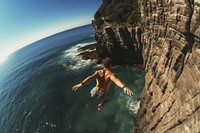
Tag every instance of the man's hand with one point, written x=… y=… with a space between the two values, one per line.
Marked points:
x=76 y=87
x=128 y=91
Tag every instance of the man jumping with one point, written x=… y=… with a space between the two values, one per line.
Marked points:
x=104 y=78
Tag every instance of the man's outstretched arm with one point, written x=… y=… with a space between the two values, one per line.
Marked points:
x=85 y=81
x=118 y=82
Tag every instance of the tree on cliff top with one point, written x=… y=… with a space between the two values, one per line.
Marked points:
x=118 y=12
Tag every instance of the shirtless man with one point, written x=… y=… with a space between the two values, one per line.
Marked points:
x=104 y=78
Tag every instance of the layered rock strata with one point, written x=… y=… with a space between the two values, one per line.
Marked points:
x=171 y=51
x=168 y=38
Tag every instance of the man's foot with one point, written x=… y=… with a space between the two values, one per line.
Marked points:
x=100 y=106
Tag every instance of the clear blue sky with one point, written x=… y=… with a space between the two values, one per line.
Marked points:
x=25 y=21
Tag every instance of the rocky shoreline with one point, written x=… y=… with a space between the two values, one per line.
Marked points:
x=89 y=52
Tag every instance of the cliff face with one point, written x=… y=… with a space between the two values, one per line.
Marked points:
x=121 y=43
x=168 y=37
x=171 y=52
x=115 y=37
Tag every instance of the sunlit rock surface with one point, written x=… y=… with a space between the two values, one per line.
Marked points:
x=167 y=41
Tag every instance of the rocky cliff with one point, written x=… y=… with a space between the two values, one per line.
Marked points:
x=115 y=37
x=168 y=37
x=171 y=52
x=120 y=43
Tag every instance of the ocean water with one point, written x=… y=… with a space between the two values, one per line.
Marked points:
x=36 y=95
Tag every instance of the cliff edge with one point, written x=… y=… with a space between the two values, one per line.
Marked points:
x=164 y=36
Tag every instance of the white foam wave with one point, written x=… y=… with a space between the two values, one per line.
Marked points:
x=78 y=64
x=133 y=105
x=84 y=44
x=73 y=51
x=98 y=66
x=75 y=62
x=92 y=35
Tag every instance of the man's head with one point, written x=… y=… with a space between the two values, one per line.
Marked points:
x=107 y=62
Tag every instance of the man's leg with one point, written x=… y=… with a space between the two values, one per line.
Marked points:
x=105 y=100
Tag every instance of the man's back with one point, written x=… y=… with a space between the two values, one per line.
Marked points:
x=103 y=80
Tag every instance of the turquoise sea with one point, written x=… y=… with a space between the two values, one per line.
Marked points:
x=36 y=95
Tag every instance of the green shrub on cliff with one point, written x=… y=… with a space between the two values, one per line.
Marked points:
x=118 y=12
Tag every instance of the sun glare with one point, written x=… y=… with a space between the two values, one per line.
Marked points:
x=5 y=55
x=3 y=59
